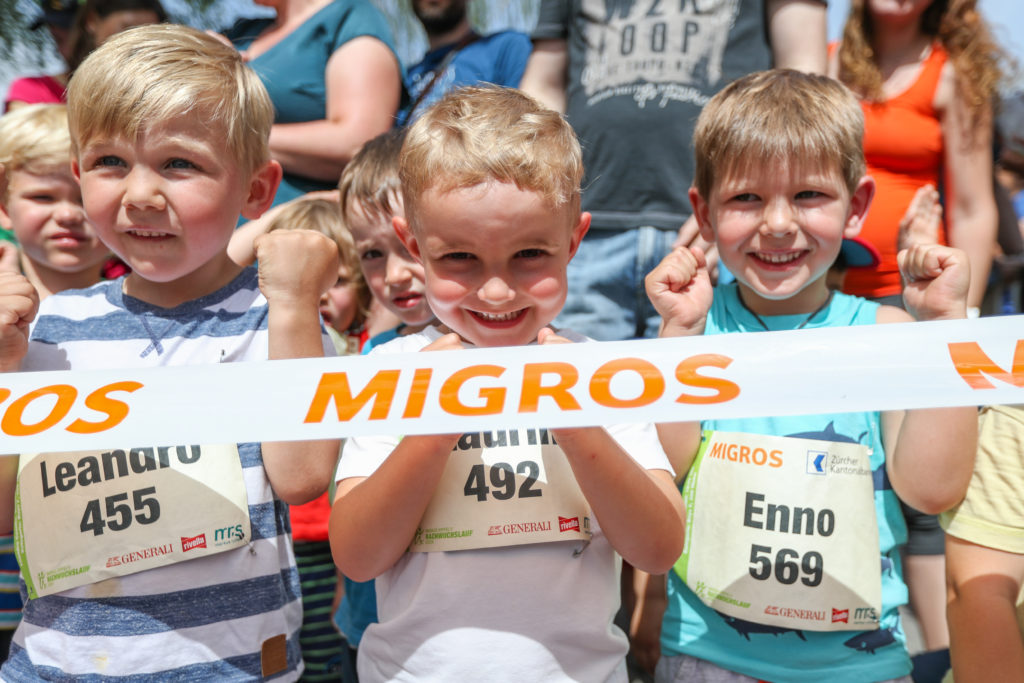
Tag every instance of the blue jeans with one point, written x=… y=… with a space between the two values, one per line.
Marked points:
x=606 y=299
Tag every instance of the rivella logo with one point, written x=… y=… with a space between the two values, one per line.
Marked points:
x=192 y=543
x=568 y=523
x=840 y=615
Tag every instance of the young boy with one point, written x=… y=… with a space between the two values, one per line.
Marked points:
x=40 y=201
x=169 y=136
x=491 y=186
x=370 y=199
x=780 y=182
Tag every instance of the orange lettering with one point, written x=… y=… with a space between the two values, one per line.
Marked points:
x=533 y=389
x=12 y=422
x=418 y=392
x=970 y=361
x=686 y=373
x=98 y=400
x=600 y=383
x=776 y=459
x=494 y=397
x=334 y=387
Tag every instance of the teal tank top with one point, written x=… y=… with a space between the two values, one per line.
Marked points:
x=776 y=654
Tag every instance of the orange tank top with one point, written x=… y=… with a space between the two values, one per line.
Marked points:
x=904 y=151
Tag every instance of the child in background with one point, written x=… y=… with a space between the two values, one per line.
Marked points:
x=985 y=555
x=491 y=183
x=346 y=305
x=371 y=198
x=169 y=134
x=41 y=207
x=41 y=203
x=780 y=182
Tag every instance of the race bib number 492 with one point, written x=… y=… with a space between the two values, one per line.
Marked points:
x=88 y=516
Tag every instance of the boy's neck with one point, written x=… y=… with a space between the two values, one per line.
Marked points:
x=805 y=302
x=195 y=285
x=48 y=281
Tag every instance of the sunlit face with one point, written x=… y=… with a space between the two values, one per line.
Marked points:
x=167 y=203
x=779 y=230
x=115 y=22
x=45 y=212
x=340 y=304
x=392 y=274
x=495 y=258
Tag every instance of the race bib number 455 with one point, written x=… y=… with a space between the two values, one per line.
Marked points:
x=88 y=516
x=782 y=531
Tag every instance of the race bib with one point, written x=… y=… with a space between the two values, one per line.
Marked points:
x=782 y=531
x=504 y=488
x=88 y=516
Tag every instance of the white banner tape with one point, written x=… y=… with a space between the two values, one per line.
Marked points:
x=879 y=367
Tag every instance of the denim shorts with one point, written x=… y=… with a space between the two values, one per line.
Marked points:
x=606 y=299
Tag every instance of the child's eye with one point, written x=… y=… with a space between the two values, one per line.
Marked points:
x=42 y=197
x=745 y=197
x=180 y=164
x=808 y=194
x=109 y=160
x=371 y=254
x=458 y=256
x=530 y=253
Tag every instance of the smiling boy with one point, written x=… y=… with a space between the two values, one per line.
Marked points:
x=780 y=183
x=491 y=186
x=169 y=134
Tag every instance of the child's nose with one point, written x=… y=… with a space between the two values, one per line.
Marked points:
x=141 y=191
x=396 y=270
x=496 y=291
x=69 y=213
x=778 y=219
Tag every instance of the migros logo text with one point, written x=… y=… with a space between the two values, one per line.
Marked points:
x=558 y=381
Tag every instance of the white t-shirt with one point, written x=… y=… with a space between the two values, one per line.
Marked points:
x=518 y=613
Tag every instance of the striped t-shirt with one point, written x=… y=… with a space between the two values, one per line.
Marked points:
x=203 y=619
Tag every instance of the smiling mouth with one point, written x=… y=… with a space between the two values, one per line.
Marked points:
x=498 y=318
x=778 y=259
x=146 y=234
x=407 y=300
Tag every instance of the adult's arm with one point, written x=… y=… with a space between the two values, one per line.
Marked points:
x=546 y=73
x=363 y=82
x=797 y=31
x=972 y=219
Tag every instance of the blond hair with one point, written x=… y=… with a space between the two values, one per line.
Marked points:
x=34 y=138
x=481 y=134
x=957 y=26
x=776 y=115
x=371 y=177
x=154 y=74
x=322 y=216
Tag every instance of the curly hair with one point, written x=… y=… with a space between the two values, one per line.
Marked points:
x=954 y=24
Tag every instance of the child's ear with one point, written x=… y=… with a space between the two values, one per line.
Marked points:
x=76 y=170
x=262 y=188
x=582 y=225
x=404 y=232
x=860 y=202
x=5 y=219
x=702 y=212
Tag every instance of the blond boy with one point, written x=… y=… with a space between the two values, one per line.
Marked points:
x=169 y=132
x=491 y=186
x=41 y=204
x=780 y=183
